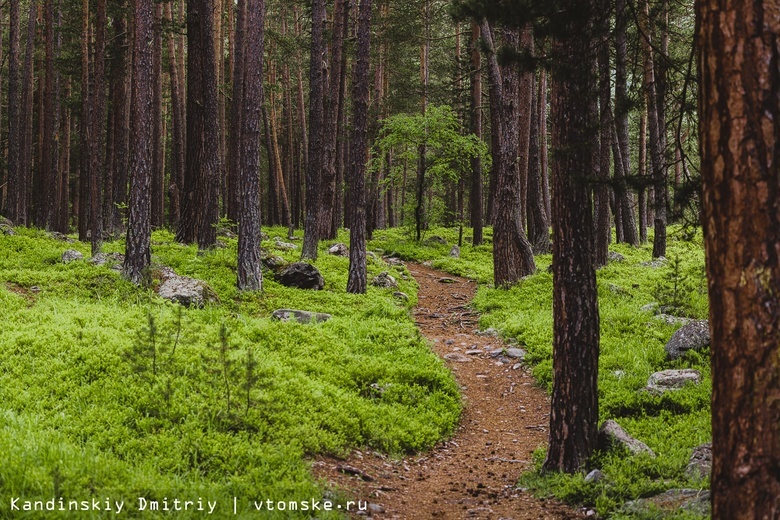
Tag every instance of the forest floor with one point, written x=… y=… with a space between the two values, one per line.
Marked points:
x=505 y=418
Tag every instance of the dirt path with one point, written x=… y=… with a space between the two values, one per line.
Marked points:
x=505 y=418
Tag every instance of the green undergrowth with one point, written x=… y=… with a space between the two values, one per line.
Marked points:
x=106 y=390
x=632 y=348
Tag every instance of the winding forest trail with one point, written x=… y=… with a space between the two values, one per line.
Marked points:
x=505 y=417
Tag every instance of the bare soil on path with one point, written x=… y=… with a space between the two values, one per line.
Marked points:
x=505 y=417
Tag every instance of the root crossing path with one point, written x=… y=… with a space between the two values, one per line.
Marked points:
x=505 y=417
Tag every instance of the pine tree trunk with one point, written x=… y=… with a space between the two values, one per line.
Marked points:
x=97 y=131
x=643 y=173
x=26 y=150
x=477 y=207
x=158 y=159
x=574 y=411
x=234 y=141
x=538 y=224
x=48 y=145
x=85 y=126
x=317 y=78
x=740 y=146
x=138 y=247
x=543 y=152
x=357 y=281
x=512 y=254
x=178 y=127
x=15 y=118
x=250 y=277
x=603 y=227
x=64 y=163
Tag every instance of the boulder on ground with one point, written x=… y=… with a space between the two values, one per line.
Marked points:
x=384 y=280
x=61 y=237
x=435 y=239
x=115 y=259
x=615 y=257
x=300 y=316
x=338 y=250
x=650 y=307
x=285 y=246
x=692 y=336
x=6 y=226
x=187 y=291
x=455 y=252
x=71 y=255
x=302 y=275
x=666 y=380
x=391 y=260
x=694 y=501
x=700 y=464
x=273 y=262
x=655 y=263
x=595 y=476
x=401 y=296
x=612 y=434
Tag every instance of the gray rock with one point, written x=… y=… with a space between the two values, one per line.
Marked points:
x=61 y=237
x=273 y=262
x=700 y=464
x=401 y=296
x=264 y=236
x=515 y=353
x=187 y=291
x=612 y=434
x=338 y=250
x=394 y=261
x=650 y=307
x=6 y=222
x=7 y=227
x=455 y=252
x=595 y=476
x=655 y=263
x=457 y=357
x=667 y=380
x=616 y=289
x=615 y=257
x=302 y=275
x=300 y=316
x=115 y=259
x=435 y=239
x=376 y=509
x=71 y=255
x=473 y=352
x=672 y=320
x=692 y=336
x=384 y=280
x=491 y=332
x=285 y=246
x=672 y=501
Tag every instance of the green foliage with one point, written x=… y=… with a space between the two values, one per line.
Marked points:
x=106 y=389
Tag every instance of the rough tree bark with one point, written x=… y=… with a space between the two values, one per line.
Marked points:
x=477 y=207
x=250 y=277
x=740 y=149
x=15 y=121
x=538 y=223
x=357 y=155
x=574 y=411
x=139 y=229
x=603 y=226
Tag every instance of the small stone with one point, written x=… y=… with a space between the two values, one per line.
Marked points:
x=666 y=380
x=449 y=342
x=394 y=261
x=457 y=357
x=473 y=352
x=61 y=237
x=611 y=434
x=435 y=239
x=672 y=320
x=71 y=255
x=692 y=336
x=491 y=332
x=376 y=508
x=615 y=257
x=616 y=289
x=401 y=296
x=656 y=263
x=700 y=464
x=650 y=307
x=428 y=263
x=515 y=353
x=455 y=252
x=496 y=352
x=116 y=259
x=384 y=280
x=187 y=291
x=595 y=476
x=338 y=250
x=285 y=246
x=302 y=275
x=517 y=366
x=300 y=316
x=7 y=229
x=35 y=289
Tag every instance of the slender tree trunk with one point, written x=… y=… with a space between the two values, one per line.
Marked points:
x=317 y=77
x=740 y=146
x=656 y=143
x=48 y=146
x=97 y=132
x=574 y=412
x=158 y=159
x=138 y=247
x=15 y=119
x=234 y=142
x=538 y=224
x=178 y=128
x=26 y=149
x=512 y=254
x=64 y=163
x=85 y=126
x=543 y=152
x=358 y=149
x=526 y=87
x=603 y=227
x=250 y=277
x=643 y=173
x=477 y=208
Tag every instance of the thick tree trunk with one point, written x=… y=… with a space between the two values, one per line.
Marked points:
x=477 y=208
x=740 y=147
x=316 y=156
x=97 y=131
x=574 y=411
x=250 y=277
x=138 y=247
x=512 y=254
x=47 y=196
x=234 y=141
x=357 y=157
